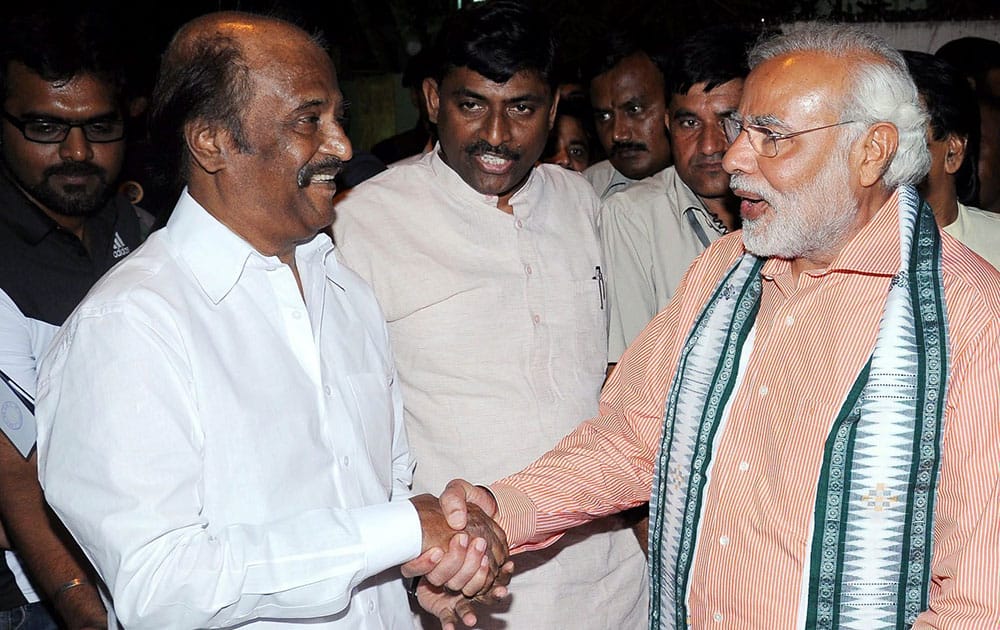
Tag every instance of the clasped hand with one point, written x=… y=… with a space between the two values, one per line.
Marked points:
x=464 y=555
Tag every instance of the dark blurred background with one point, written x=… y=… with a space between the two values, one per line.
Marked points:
x=372 y=40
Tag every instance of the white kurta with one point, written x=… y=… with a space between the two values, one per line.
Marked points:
x=224 y=452
x=498 y=323
x=978 y=230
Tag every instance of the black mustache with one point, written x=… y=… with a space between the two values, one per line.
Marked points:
x=481 y=147
x=74 y=169
x=329 y=166
x=618 y=147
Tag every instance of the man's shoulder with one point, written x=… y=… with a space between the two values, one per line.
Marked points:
x=657 y=192
x=398 y=181
x=599 y=173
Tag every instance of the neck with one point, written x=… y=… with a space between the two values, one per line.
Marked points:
x=945 y=207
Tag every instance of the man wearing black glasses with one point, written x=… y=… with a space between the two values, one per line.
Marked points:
x=61 y=227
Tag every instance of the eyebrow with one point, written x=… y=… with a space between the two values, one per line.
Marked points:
x=520 y=98
x=39 y=116
x=766 y=120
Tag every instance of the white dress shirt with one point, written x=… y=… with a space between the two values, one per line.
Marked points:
x=224 y=451
x=606 y=179
x=498 y=322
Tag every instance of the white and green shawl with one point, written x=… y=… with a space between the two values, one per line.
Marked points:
x=867 y=568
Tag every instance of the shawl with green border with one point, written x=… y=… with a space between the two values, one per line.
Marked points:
x=869 y=561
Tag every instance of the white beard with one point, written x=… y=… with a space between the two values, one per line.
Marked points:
x=802 y=223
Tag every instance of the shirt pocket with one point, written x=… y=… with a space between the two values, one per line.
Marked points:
x=373 y=401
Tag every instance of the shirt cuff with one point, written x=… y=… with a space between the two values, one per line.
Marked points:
x=515 y=514
x=390 y=533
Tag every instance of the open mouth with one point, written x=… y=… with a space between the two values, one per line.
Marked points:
x=492 y=163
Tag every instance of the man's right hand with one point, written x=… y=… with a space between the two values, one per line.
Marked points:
x=475 y=553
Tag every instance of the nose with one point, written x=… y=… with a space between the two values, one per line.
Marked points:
x=713 y=140
x=338 y=144
x=496 y=129
x=562 y=158
x=75 y=147
x=740 y=157
x=621 y=131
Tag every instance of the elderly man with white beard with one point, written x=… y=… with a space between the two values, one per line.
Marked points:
x=814 y=416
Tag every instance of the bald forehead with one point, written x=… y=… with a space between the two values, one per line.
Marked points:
x=253 y=33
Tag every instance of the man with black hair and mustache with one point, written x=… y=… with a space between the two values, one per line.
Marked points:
x=626 y=84
x=489 y=271
x=652 y=231
x=61 y=227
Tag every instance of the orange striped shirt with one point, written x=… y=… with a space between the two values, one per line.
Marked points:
x=811 y=341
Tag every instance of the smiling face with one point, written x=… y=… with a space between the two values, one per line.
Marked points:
x=491 y=134
x=802 y=203
x=71 y=178
x=630 y=114
x=279 y=191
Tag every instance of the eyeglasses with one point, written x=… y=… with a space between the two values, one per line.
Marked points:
x=763 y=140
x=46 y=131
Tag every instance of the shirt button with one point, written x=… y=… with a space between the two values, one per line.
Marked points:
x=723 y=540
x=346 y=461
x=518 y=224
x=744 y=466
x=789 y=320
x=527 y=269
x=717 y=617
x=296 y=314
x=537 y=318
x=763 y=390
x=328 y=390
x=371 y=606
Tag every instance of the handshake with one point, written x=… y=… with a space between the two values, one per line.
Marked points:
x=464 y=555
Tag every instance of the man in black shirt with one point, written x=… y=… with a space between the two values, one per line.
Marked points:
x=61 y=227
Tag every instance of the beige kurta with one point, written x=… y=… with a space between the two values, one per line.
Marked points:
x=498 y=326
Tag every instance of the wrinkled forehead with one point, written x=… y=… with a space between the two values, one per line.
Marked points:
x=795 y=88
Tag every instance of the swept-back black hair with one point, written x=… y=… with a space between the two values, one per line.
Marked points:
x=953 y=108
x=714 y=55
x=60 y=45
x=497 y=39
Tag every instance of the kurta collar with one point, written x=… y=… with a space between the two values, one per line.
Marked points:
x=452 y=183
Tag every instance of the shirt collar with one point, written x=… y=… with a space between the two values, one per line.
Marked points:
x=217 y=256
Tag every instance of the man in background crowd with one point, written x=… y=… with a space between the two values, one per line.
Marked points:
x=627 y=96
x=953 y=137
x=62 y=225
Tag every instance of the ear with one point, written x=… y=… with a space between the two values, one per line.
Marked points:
x=208 y=144
x=955 y=154
x=875 y=152
x=433 y=99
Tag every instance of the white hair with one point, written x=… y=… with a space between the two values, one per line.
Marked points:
x=882 y=89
